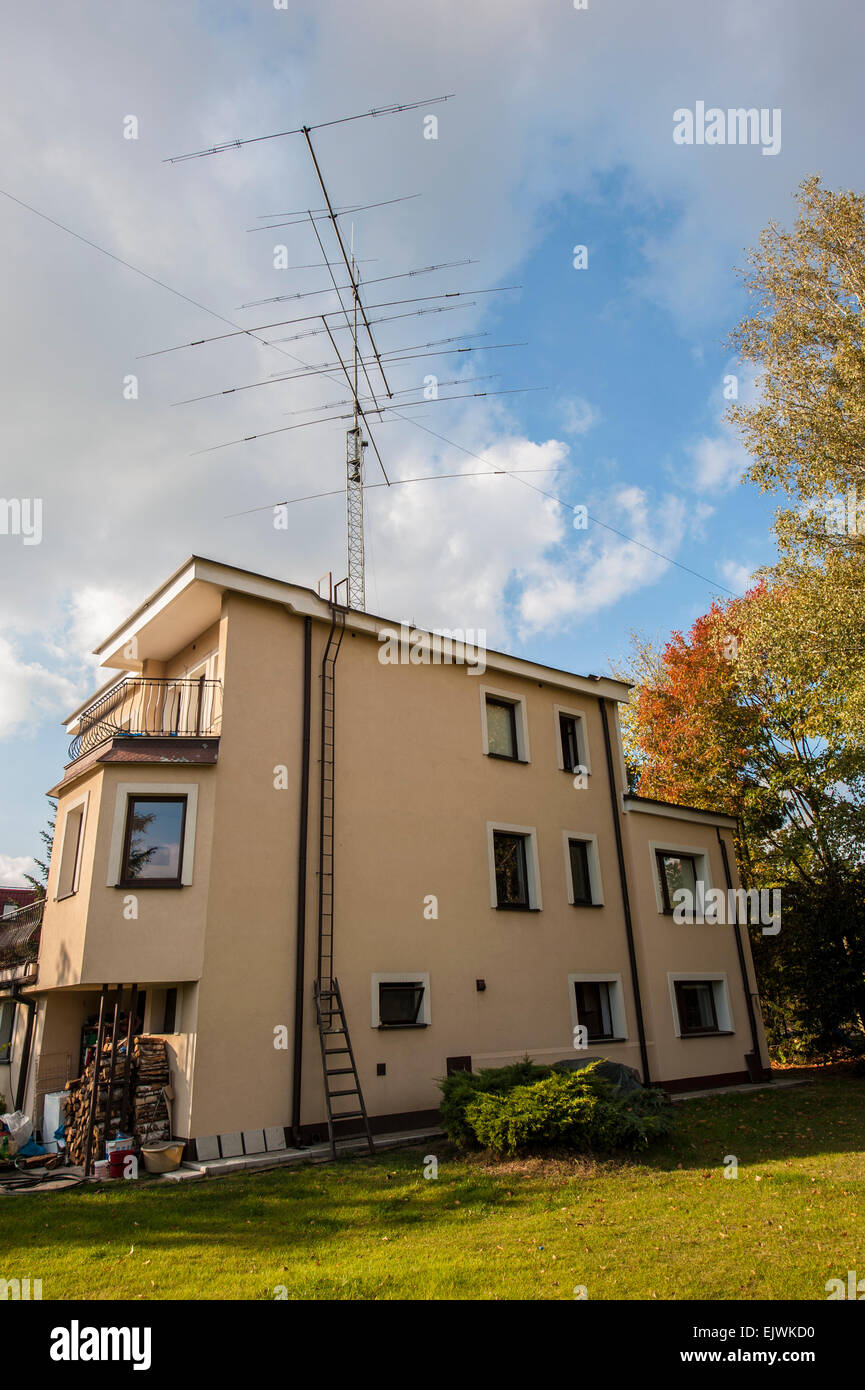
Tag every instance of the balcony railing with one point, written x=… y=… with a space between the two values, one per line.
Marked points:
x=20 y=933
x=151 y=707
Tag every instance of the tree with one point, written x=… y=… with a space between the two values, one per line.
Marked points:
x=721 y=726
x=47 y=837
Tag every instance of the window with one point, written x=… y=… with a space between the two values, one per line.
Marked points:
x=677 y=871
x=501 y=729
x=9 y=909
x=504 y=730
x=594 y=1008
x=7 y=1025
x=570 y=742
x=153 y=842
x=400 y=1000
x=399 y=1003
x=70 y=853
x=695 y=1003
x=169 y=1021
x=512 y=876
x=581 y=879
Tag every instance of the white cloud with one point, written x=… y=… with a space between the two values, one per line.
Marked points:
x=29 y=692
x=738 y=577
x=578 y=416
x=13 y=867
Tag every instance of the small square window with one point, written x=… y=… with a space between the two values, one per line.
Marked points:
x=570 y=739
x=502 y=729
x=153 y=841
x=695 y=1000
x=677 y=871
x=594 y=1008
x=399 y=1003
x=581 y=878
x=512 y=878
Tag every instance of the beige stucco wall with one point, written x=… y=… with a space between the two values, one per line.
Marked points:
x=414 y=794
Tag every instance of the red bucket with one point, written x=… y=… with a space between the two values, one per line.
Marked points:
x=116 y=1160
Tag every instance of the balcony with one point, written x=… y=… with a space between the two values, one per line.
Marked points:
x=19 y=935
x=150 y=707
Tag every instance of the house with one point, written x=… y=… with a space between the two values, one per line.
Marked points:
x=272 y=792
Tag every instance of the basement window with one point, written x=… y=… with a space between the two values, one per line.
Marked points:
x=400 y=1000
x=399 y=1005
x=695 y=1004
x=594 y=1008
x=153 y=842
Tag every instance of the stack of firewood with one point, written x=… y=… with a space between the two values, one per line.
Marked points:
x=148 y=1112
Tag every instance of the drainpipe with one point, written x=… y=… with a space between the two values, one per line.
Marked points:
x=30 y=1005
x=303 y=840
x=626 y=900
x=746 y=985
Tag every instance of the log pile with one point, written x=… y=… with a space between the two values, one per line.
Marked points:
x=148 y=1114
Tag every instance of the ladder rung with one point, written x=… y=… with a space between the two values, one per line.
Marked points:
x=333 y=1094
x=349 y=1115
x=332 y=1051
x=341 y=1071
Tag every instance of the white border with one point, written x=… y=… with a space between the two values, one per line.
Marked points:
x=532 y=866
x=520 y=720
x=595 y=884
x=397 y=977
x=723 y=1007
x=617 y=1004
x=127 y=789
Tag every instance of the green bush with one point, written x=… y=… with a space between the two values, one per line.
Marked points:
x=514 y=1109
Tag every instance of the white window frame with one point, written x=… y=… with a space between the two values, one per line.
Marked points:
x=595 y=881
x=399 y=977
x=118 y=829
x=521 y=721
x=81 y=802
x=702 y=865
x=582 y=735
x=618 y=1014
x=723 y=1008
x=533 y=871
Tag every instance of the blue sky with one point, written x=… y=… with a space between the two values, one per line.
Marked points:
x=559 y=133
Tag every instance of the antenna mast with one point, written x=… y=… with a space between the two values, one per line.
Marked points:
x=354 y=447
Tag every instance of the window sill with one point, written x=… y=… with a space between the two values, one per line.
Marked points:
x=598 y=1042
x=710 y=1033
x=515 y=907
x=134 y=884
x=506 y=758
x=587 y=904
x=398 y=1027
x=61 y=897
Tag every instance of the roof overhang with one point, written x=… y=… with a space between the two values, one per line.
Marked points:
x=190 y=601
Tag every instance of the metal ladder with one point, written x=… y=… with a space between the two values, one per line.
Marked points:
x=332 y=1023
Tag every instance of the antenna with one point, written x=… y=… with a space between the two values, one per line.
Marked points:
x=368 y=360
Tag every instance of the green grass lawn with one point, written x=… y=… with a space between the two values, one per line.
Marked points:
x=669 y=1226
